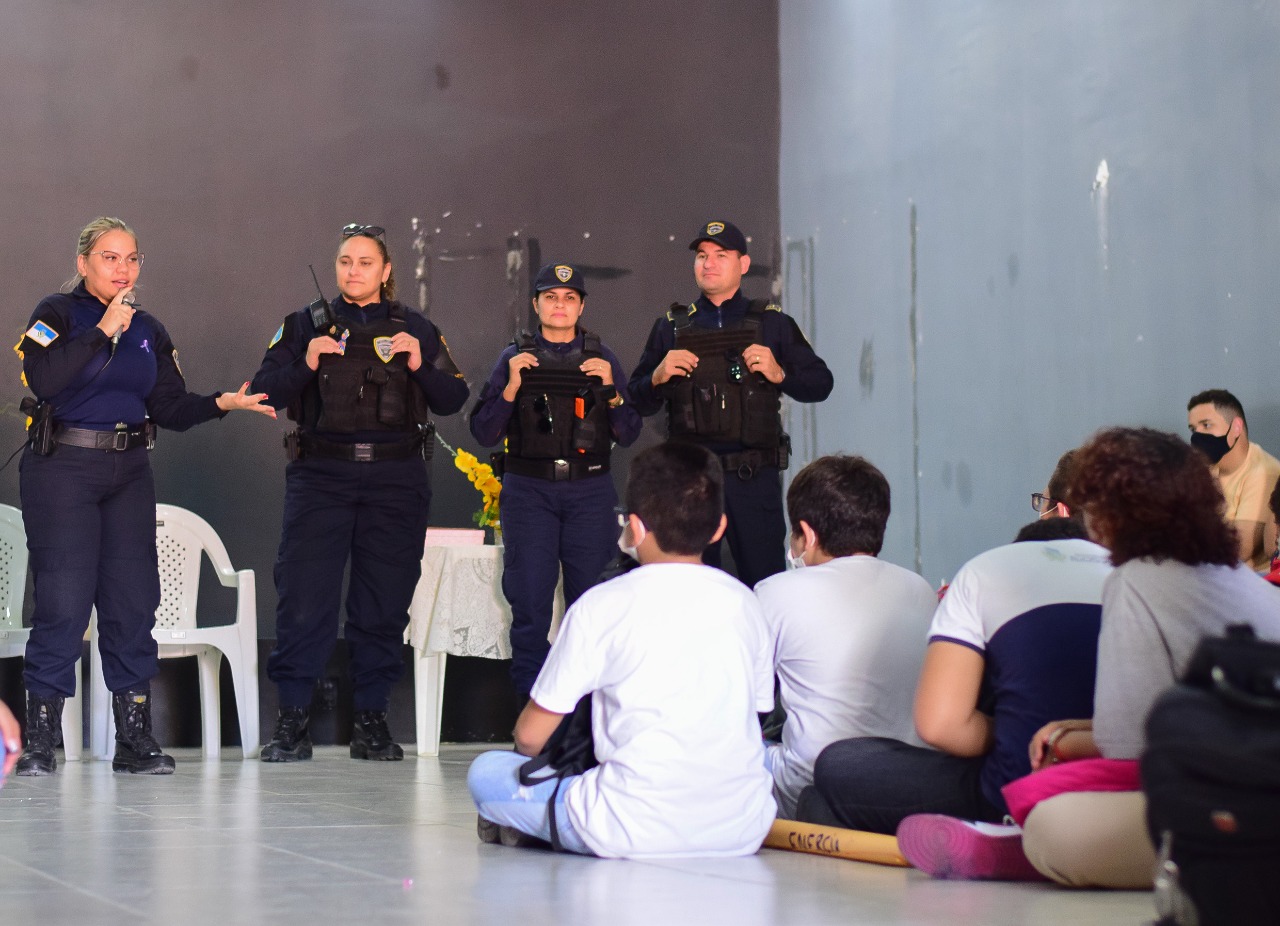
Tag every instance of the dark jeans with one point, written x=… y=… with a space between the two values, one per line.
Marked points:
x=872 y=783
x=757 y=531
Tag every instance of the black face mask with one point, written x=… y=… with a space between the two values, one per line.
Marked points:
x=1213 y=446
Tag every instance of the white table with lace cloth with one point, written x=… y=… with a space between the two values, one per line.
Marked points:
x=458 y=609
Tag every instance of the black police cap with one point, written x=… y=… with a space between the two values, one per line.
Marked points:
x=725 y=234
x=553 y=276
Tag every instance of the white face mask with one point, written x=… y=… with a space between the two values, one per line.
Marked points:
x=795 y=560
x=631 y=551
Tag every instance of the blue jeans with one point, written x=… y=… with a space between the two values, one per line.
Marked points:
x=494 y=782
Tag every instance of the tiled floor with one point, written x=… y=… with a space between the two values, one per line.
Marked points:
x=339 y=841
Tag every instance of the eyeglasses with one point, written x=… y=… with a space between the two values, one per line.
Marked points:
x=112 y=259
x=735 y=370
x=547 y=421
x=371 y=231
x=1041 y=503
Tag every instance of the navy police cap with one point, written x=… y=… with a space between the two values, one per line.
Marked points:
x=553 y=276
x=725 y=234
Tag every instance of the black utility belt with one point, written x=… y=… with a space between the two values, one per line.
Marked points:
x=117 y=440
x=554 y=470
x=746 y=462
x=311 y=446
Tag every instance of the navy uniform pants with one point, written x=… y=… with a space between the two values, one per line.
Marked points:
x=374 y=514
x=90 y=517
x=548 y=526
x=757 y=531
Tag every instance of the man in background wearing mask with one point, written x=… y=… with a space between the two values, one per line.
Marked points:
x=1246 y=473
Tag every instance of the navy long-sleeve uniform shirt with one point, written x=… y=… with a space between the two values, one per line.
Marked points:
x=69 y=362
x=492 y=414
x=284 y=373
x=807 y=377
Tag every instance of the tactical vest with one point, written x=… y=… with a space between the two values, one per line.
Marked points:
x=560 y=413
x=721 y=401
x=366 y=388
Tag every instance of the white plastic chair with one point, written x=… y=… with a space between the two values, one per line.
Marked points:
x=13 y=636
x=181 y=535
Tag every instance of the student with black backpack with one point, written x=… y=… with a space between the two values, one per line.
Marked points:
x=676 y=657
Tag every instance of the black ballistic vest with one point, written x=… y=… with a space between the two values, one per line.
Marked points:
x=721 y=401
x=365 y=389
x=560 y=413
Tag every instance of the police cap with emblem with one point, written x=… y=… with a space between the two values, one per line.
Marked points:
x=553 y=276
x=725 y=234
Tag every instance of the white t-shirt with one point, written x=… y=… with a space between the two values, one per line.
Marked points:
x=848 y=640
x=677 y=659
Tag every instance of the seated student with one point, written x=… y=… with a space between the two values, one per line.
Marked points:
x=848 y=630
x=1273 y=536
x=1012 y=643
x=676 y=657
x=10 y=741
x=1153 y=503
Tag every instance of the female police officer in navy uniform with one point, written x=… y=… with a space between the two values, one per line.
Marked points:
x=559 y=397
x=359 y=375
x=104 y=371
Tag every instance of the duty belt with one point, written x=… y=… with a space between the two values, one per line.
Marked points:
x=117 y=440
x=555 y=470
x=361 y=453
x=747 y=462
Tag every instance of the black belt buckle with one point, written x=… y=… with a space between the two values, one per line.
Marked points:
x=120 y=440
x=560 y=469
x=362 y=453
x=746 y=472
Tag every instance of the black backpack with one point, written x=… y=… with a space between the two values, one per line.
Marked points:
x=1211 y=773
x=570 y=750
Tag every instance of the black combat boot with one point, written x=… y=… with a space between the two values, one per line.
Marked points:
x=291 y=742
x=44 y=721
x=371 y=739
x=137 y=752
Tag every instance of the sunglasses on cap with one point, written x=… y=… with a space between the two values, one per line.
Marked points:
x=370 y=231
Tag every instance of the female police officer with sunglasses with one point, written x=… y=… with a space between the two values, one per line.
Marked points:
x=359 y=375
x=559 y=399
x=104 y=372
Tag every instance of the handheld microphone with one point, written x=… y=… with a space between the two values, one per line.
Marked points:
x=129 y=299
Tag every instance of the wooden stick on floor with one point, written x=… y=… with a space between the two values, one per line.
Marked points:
x=835 y=842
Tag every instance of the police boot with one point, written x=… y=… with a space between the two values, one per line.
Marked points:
x=291 y=742
x=371 y=738
x=137 y=752
x=44 y=720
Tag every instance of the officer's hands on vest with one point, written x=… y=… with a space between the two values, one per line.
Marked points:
x=598 y=366
x=760 y=360
x=405 y=343
x=322 y=345
x=676 y=363
x=241 y=401
x=118 y=315
x=518 y=362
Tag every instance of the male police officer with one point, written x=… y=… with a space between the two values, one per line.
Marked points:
x=559 y=397
x=359 y=375
x=721 y=366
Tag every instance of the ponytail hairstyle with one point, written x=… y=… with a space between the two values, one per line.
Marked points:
x=89 y=236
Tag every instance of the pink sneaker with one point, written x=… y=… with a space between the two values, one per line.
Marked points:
x=945 y=847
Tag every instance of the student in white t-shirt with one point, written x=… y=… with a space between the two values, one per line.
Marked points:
x=676 y=657
x=849 y=630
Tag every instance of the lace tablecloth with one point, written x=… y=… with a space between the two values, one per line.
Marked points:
x=458 y=606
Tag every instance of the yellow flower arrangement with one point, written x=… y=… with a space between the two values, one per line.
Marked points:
x=481 y=476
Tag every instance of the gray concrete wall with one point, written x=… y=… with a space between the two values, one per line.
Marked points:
x=985 y=299
x=239 y=137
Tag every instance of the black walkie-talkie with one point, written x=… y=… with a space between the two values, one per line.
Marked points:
x=322 y=319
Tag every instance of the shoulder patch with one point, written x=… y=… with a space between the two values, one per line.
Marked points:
x=42 y=334
x=275 y=338
x=174 y=354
